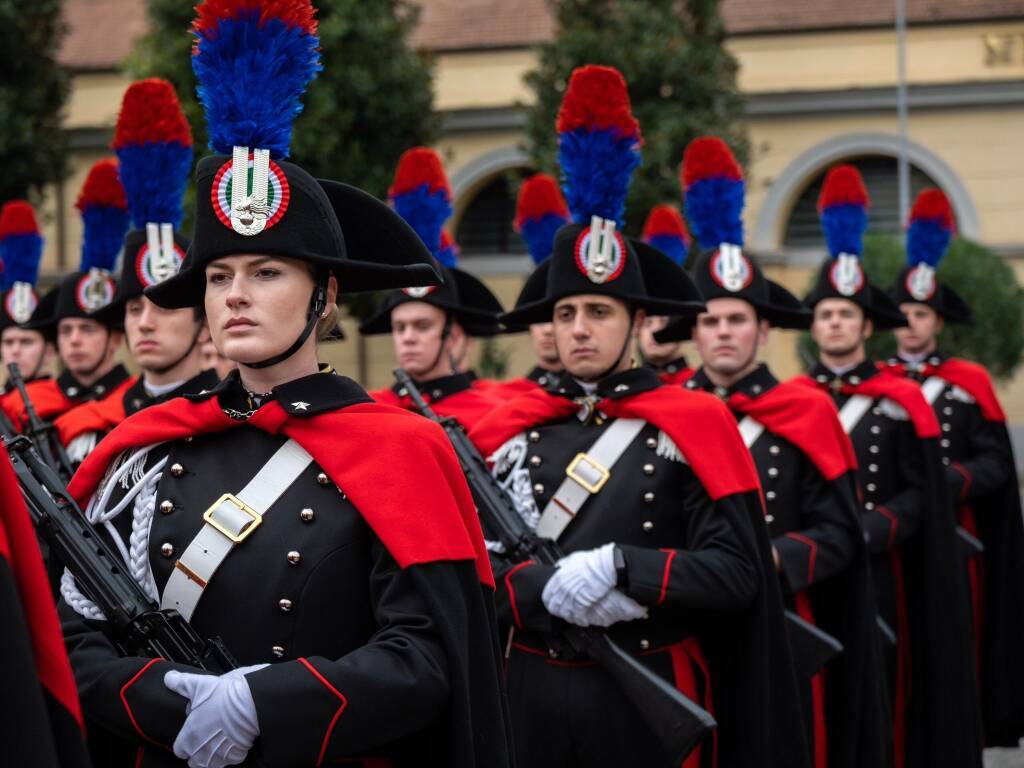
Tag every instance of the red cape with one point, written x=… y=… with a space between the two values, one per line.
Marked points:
x=392 y=465
x=680 y=377
x=903 y=392
x=19 y=547
x=467 y=407
x=95 y=416
x=970 y=377
x=808 y=419
x=692 y=419
x=47 y=397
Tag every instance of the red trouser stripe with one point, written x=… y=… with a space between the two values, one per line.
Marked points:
x=686 y=656
x=803 y=609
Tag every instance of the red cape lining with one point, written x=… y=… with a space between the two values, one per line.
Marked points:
x=970 y=377
x=19 y=547
x=95 y=416
x=398 y=469
x=467 y=407
x=46 y=396
x=807 y=418
x=692 y=419
x=903 y=392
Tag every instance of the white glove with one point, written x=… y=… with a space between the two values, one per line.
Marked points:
x=580 y=580
x=613 y=608
x=221 y=724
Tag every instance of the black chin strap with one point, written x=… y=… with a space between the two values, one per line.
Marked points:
x=317 y=305
x=195 y=340
x=445 y=333
x=622 y=352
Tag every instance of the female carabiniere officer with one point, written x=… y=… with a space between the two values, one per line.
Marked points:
x=330 y=542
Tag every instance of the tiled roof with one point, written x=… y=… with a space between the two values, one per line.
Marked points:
x=102 y=32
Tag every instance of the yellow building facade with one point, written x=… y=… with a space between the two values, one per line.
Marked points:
x=813 y=97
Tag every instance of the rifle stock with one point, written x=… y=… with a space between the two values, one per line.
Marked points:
x=678 y=723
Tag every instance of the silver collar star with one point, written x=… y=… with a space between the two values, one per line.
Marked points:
x=300 y=406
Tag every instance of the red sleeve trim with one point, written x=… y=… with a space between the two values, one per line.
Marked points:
x=127 y=706
x=334 y=720
x=512 y=592
x=813 y=545
x=664 y=578
x=894 y=523
x=967 y=479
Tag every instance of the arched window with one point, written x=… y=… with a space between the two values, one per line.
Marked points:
x=880 y=177
x=485 y=228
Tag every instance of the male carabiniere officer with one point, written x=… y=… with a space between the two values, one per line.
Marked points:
x=338 y=557
x=648 y=487
x=154 y=144
x=429 y=324
x=907 y=514
x=87 y=348
x=803 y=457
x=979 y=465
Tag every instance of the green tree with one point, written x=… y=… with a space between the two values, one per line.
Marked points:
x=682 y=83
x=984 y=280
x=33 y=90
x=372 y=101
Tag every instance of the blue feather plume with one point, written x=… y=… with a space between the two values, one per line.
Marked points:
x=597 y=167
x=150 y=174
x=21 y=255
x=927 y=242
x=844 y=227
x=251 y=74
x=104 y=231
x=714 y=208
x=539 y=235
x=426 y=212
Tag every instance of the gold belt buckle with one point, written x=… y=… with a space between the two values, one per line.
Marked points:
x=230 y=498
x=591 y=487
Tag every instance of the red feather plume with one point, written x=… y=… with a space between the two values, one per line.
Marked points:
x=17 y=217
x=418 y=166
x=843 y=186
x=597 y=99
x=708 y=157
x=102 y=187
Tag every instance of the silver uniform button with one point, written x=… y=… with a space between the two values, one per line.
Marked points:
x=773 y=472
x=177 y=470
x=770 y=495
x=534 y=436
x=307 y=515
x=774 y=450
x=855 y=380
x=100 y=389
x=649 y=497
x=167 y=549
x=621 y=388
x=536 y=461
x=72 y=391
x=946 y=426
x=166 y=506
x=645 y=644
x=873 y=449
x=552 y=653
x=652 y=443
x=538 y=488
x=948 y=394
x=284 y=604
x=945 y=460
x=947 y=410
x=872 y=487
x=293 y=557
x=870 y=505
x=323 y=479
x=648 y=469
x=875 y=429
x=769 y=519
x=877 y=411
x=278 y=651
x=944 y=443
x=648 y=526
x=872 y=467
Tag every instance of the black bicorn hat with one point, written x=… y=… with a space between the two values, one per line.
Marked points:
x=599 y=148
x=843 y=206
x=105 y=220
x=929 y=233
x=461 y=296
x=249 y=200
x=728 y=273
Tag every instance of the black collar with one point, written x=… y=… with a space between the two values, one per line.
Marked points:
x=136 y=397
x=938 y=357
x=543 y=377
x=861 y=372
x=442 y=387
x=625 y=384
x=753 y=385
x=674 y=366
x=307 y=396
x=73 y=389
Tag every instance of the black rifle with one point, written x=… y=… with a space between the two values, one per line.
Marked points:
x=812 y=647
x=677 y=722
x=135 y=623
x=40 y=432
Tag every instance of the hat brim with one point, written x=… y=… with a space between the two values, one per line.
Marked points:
x=670 y=291
x=400 y=260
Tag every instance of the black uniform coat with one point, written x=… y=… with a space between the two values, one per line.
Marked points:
x=691 y=526
x=982 y=477
x=814 y=522
x=909 y=521
x=362 y=587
